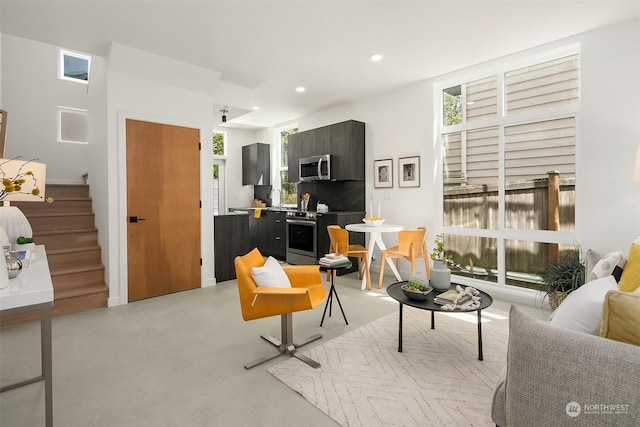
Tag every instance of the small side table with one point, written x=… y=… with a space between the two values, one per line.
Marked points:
x=332 y=292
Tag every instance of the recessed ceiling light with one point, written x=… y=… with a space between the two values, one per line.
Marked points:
x=470 y=103
x=375 y=57
x=300 y=89
x=255 y=107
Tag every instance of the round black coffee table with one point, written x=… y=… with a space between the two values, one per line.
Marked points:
x=396 y=293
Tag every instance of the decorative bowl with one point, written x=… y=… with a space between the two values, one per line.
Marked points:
x=414 y=292
x=373 y=222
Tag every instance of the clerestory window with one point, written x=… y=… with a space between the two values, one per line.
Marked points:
x=74 y=66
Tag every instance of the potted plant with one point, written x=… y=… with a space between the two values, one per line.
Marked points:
x=563 y=277
x=440 y=273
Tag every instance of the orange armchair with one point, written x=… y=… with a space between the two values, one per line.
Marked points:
x=411 y=246
x=306 y=292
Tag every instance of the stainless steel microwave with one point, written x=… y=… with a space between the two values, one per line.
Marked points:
x=315 y=168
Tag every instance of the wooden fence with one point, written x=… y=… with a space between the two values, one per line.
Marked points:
x=541 y=204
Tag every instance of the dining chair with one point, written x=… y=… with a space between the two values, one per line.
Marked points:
x=411 y=246
x=304 y=291
x=340 y=244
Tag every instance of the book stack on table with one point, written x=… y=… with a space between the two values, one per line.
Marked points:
x=333 y=260
x=448 y=297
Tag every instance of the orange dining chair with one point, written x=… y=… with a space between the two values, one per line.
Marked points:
x=305 y=292
x=340 y=245
x=411 y=246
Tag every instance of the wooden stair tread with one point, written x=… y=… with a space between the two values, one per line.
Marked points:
x=72 y=270
x=66 y=231
x=71 y=250
x=57 y=214
x=88 y=289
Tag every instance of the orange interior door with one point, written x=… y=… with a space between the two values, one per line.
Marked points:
x=163 y=209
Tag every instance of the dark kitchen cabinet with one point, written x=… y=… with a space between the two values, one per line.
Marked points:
x=268 y=233
x=231 y=238
x=345 y=142
x=256 y=164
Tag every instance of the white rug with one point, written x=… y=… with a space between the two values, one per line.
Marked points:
x=436 y=381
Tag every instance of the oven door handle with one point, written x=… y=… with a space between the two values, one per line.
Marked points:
x=300 y=222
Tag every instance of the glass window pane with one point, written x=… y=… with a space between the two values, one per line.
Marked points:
x=289 y=195
x=482 y=99
x=74 y=66
x=218 y=143
x=541 y=86
x=452 y=106
x=471 y=179
x=540 y=175
x=284 y=146
x=472 y=256
x=527 y=261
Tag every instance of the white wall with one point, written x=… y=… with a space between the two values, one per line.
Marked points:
x=238 y=195
x=31 y=93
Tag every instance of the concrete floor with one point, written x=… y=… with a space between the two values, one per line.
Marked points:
x=175 y=360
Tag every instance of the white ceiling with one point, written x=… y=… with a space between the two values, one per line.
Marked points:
x=268 y=48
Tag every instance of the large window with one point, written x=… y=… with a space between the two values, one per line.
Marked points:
x=508 y=169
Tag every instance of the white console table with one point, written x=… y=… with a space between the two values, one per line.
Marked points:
x=33 y=290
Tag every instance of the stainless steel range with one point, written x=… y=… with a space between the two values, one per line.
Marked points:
x=302 y=238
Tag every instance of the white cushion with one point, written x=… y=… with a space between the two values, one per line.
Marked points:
x=270 y=275
x=581 y=310
x=606 y=266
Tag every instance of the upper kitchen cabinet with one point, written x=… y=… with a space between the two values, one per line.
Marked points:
x=344 y=141
x=256 y=164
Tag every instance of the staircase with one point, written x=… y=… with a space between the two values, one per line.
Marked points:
x=67 y=229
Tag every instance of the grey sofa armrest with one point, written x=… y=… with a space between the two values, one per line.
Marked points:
x=498 y=414
x=560 y=377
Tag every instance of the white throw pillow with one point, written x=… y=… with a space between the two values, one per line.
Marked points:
x=610 y=264
x=270 y=275
x=581 y=310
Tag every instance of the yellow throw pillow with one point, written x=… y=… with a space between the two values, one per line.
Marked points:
x=621 y=317
x=630 y=280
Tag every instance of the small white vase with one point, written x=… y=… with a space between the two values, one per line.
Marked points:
x=440 y=276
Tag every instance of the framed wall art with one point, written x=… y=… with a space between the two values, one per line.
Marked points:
x=383 y=173
x=409 y=171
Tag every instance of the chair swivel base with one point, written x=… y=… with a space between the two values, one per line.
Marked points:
x=287 y=346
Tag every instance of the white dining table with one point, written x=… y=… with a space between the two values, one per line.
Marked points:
x=375 y=239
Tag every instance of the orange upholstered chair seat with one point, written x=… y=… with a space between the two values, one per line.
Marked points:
x=306 y=292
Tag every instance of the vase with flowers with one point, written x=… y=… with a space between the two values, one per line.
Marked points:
x=22 y=181
x=440 y=273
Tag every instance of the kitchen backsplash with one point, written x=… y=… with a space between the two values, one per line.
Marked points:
x=339 y=195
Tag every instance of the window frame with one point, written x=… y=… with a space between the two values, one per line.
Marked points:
x=224 y=143
x=503 y=120
x=277 y=160
x=77 y=55
x=71 y=110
